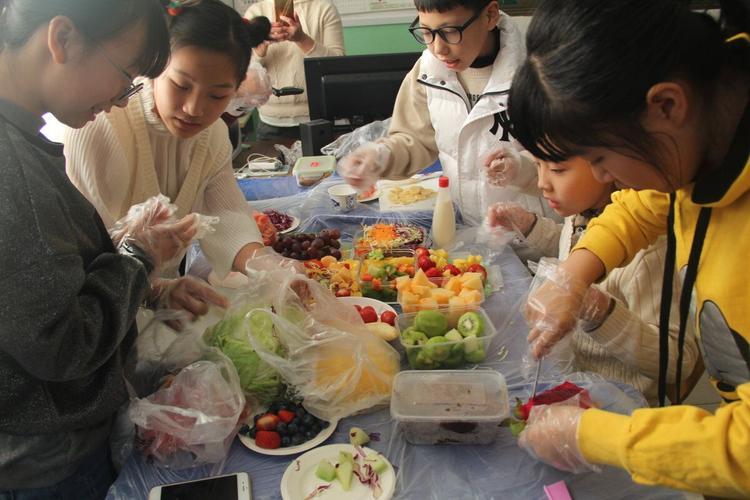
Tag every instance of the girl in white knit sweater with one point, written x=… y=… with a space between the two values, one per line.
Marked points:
x=169 y=138
x=619 y=334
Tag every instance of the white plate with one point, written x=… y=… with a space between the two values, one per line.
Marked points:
x=380 y=307
x=291 y=450
x=425 y=205
x=295 y=223
x=300 y=480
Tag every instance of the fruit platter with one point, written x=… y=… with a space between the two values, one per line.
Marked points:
x=341 y=277
x=380 y=268
x=448 y=338
x=285 y=428
x=388 y=236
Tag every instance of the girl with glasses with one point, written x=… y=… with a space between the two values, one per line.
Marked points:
x=452 y=106
x=69 y=298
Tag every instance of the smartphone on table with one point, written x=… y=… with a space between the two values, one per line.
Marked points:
x=284 y=8
x=230 y=487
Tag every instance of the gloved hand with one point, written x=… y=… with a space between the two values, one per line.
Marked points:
x=511 y=216
x=501 y=165
x=551 y=435
x=553 y=306
x=362 y=167
x=596 y=306
x=151 y=227
x=266 y=259
x=254 y=91
x=184 y=294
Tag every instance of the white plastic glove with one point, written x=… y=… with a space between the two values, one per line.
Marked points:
x=254 y=91
x=553 y=306
x=362 y=167
x=551 y=435
x=596 y=306
x=184 y=294
x=152 y=228
x=266 y=259
x=501 y=165
x=511 y=216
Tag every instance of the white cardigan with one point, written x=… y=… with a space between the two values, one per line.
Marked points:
x=126 y=156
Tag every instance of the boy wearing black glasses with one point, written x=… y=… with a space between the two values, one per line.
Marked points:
x=452 y=106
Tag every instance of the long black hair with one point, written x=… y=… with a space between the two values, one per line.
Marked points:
x=590 y=64
x=98 y=20
x=213 y=25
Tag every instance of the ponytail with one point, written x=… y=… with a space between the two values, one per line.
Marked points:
x=258 y=29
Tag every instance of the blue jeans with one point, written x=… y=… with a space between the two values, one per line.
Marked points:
x=90 y=482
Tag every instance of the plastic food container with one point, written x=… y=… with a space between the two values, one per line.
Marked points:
x=449 y=407
x=442 y=298
x=435 y=345
x=382 y=286
x=411 y=236
x=309 y=170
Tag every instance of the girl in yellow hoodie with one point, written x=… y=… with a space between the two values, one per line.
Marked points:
x=656 y=98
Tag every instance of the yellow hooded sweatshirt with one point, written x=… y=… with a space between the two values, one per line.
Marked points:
x=685 y=447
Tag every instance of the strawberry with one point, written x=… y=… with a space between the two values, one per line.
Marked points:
x=420 y=251
x=434 y=272
x=267 y=422
x=287 y=416
x=388 y=317
x=453 y=269
x=268 y=439
x=343 y=292
x=478 y=268
x=425 y=263
x=368 y=314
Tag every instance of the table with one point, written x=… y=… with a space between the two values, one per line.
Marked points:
x=501 y=470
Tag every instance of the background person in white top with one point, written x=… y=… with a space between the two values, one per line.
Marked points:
x=315 y=31
x=452 y=105
x=170 y=140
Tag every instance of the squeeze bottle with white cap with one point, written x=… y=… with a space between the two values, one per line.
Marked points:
x=443 y=218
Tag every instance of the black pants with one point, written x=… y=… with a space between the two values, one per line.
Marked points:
x=269 y=132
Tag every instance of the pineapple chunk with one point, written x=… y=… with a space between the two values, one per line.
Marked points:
x=472 y=281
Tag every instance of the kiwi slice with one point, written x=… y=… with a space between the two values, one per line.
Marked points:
x=470 y=324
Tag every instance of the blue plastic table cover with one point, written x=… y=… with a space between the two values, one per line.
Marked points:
x=498 y=471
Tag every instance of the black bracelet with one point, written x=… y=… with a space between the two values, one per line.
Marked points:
x=132 y=250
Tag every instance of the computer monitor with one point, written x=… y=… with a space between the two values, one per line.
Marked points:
x=359 y=89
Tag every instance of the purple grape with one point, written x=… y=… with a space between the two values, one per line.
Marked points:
x=314 y=254
x=295 y=255
x=278 y=246
x=305 y=245
x=317 y=243
x=335 y=244
x=296 y=247
x=335 y=234
x=336 y=254
x=304 y=255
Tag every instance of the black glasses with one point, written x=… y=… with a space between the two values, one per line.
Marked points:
x=132 y=89
x=450 y=34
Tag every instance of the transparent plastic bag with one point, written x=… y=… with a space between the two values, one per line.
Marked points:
x=347 y=143
x=329 y=358
x=150 y=226
x=186 y=399
x=290 y=154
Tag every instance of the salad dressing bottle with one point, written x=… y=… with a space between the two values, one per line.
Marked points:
x=443 y=218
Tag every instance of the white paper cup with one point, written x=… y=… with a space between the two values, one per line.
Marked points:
x=344 y=196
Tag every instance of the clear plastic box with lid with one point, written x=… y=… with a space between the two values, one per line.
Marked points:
x=450 y=407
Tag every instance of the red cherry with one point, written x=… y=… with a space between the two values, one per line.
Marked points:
x=368 y=315
x=388 y=317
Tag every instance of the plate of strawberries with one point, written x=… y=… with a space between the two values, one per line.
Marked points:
x=285 y=428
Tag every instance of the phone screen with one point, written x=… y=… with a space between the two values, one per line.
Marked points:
x=224 y=488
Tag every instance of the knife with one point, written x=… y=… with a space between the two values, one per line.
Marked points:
x=536 y=377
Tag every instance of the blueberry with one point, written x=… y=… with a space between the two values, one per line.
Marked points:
x=244 y=429
x=298 y=422
x=275 y=407
x=292 y=429
x=301 y=412
x=251 y=433
x=256 y=417
x=308 y=420
x=323 y=424
x=309 y=435
x=286 y=441
x=282 y=428
x=297 y=439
